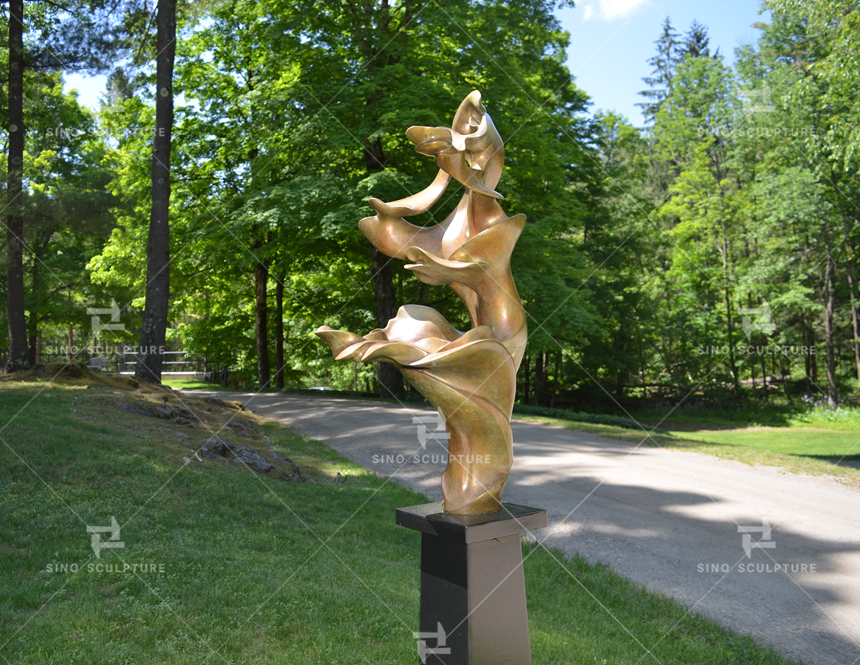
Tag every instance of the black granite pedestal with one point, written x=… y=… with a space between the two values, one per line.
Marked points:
x=473 y=595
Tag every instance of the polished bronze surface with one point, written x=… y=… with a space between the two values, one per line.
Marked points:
x=469 y=377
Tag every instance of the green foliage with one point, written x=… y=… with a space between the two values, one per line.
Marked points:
x=643 y=249
x=663 y=69
x=66 y=208
x=276 y=161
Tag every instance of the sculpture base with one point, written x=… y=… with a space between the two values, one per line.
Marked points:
x=473 y=596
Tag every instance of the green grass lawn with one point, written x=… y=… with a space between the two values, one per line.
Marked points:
x=802 y=441
x=191 y=384
x=774 y=413
x=251 y=568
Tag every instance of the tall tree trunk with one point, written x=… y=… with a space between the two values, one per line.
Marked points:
x=830 y=289
x=19 y=356
x=261 y=319
x=33 y=318
x=807 y=358
x=527 y=384
x=150 y=360
x=854 y=319
x=729 y=320
x=540 y=380
x=855 y=343
x=850 y=271
x=32 y=334
x=378 y=17
x=279 y=332
x=813 y=366
x=388 y=376
x=852 y=291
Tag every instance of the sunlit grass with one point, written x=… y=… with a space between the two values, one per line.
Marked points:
x=792 y=441
x=778 y=412
x=192 y=384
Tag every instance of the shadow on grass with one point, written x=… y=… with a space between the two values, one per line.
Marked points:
x=851 y=461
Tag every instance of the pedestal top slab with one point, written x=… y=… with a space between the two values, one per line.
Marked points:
x=511 y=519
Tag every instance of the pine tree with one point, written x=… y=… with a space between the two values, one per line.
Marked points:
x=663 y=64
x=696 y=41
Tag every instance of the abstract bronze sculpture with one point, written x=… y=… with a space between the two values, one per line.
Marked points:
x=469 y=377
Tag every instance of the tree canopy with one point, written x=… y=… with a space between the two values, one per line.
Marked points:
x=711 y=253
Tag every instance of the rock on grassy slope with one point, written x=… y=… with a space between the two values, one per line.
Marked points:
x=208 y=431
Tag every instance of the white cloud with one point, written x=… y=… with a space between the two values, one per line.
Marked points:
x=610 y=10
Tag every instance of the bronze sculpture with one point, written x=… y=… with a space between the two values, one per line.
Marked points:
x=469 y=377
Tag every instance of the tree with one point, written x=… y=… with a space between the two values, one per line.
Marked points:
x=67 y=208
x=696 y=42
x=812 y=50
x=154 y=331
x=640 y=247
x=663 y=69
x=80 y=36
x=692 y=131
x=19 y=357
x=278 y=155
x=616 y=241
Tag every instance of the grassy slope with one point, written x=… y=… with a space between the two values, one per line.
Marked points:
x=245 y=579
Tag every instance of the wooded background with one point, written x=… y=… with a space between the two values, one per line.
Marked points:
x=711 y=254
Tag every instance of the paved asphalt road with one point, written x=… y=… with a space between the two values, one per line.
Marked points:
x=666 y=519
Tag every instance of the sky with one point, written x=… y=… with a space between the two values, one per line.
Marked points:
x=611 y=42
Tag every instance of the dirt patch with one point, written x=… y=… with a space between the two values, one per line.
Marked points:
x=77 y=374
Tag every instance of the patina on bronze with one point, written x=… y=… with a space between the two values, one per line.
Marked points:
x=470 y=377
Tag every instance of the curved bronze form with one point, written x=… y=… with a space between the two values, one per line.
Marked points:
x=469 y=377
